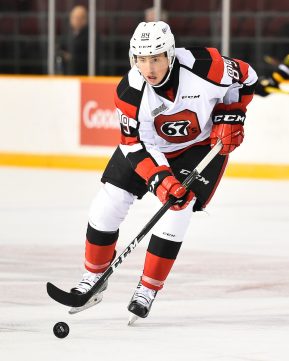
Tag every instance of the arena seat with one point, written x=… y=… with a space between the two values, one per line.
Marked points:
x=30 y=26
x=246 y=5
x=273 y=26
x=243 y=27
x=276 y=5
x=187 y=5
x=7 y=25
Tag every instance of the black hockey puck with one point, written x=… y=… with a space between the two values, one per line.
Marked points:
x=61 y=329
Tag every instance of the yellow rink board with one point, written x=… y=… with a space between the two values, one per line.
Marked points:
x=243 y=170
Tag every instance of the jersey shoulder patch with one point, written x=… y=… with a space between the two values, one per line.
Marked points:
x=129 y=93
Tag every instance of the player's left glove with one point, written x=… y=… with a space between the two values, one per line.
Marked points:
x=171 y=187
x=228 y=123
x=164 y=185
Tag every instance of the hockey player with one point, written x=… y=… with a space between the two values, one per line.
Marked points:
x=173 y=106
x=271 y=84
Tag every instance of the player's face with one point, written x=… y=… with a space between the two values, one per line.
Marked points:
x=153 y=68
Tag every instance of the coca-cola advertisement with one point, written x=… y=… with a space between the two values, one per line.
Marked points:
x=99 y=120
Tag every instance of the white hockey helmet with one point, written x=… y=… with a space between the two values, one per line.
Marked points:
x=151 y=39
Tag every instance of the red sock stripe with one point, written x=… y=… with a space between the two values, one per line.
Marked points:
x=156 y=270
x=98 y=258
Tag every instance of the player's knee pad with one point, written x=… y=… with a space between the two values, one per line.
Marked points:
x=174 y=224
x=109 y=208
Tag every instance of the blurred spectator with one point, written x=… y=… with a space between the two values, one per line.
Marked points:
x=73 y=52
x=271 y=84
x=150 y=15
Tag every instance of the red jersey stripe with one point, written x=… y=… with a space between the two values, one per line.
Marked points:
x=176 y=153
x=217 y=67
x=144 y=168
x=245 y=99
x=244 y=67
x=125 y=140
x=170 y=94
x=128 y=109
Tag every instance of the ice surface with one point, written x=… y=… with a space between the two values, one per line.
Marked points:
x=227 y=298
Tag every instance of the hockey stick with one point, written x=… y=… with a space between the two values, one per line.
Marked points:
x=75 y=300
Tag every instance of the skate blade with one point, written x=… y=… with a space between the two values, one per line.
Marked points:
x=95 y=299
x=132 y=318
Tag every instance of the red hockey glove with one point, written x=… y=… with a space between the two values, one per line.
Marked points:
x=170 y=186
x=231 y=135
x=163 y=184
x=228 y=123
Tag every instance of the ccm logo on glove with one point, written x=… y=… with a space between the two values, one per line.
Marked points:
x=229 y=118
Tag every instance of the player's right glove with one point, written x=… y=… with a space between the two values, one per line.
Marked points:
x=164 y=185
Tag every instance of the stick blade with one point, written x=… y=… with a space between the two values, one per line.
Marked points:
x=65 y=298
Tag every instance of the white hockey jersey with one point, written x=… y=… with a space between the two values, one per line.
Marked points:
x=158 y=123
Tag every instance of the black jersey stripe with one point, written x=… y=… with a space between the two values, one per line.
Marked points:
x=137 y=157
x=128 y=94
x=138 y=106
x=203 y=61
x=248 y=89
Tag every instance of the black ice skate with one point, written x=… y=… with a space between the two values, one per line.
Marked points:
x=141 y=302
x=89 y=279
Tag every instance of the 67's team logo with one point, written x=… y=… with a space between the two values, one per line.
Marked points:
x=179 y=127
x=176 y=129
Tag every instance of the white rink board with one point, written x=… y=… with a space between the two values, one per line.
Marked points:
x=225 y=300
x=42 y=115
x=266 y=130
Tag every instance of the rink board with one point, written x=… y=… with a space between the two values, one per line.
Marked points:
x=71 y=123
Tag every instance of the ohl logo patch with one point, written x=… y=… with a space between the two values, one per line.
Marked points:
x=179 y=127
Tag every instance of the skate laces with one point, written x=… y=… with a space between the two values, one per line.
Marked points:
x=144 y=295
x=89 y=279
